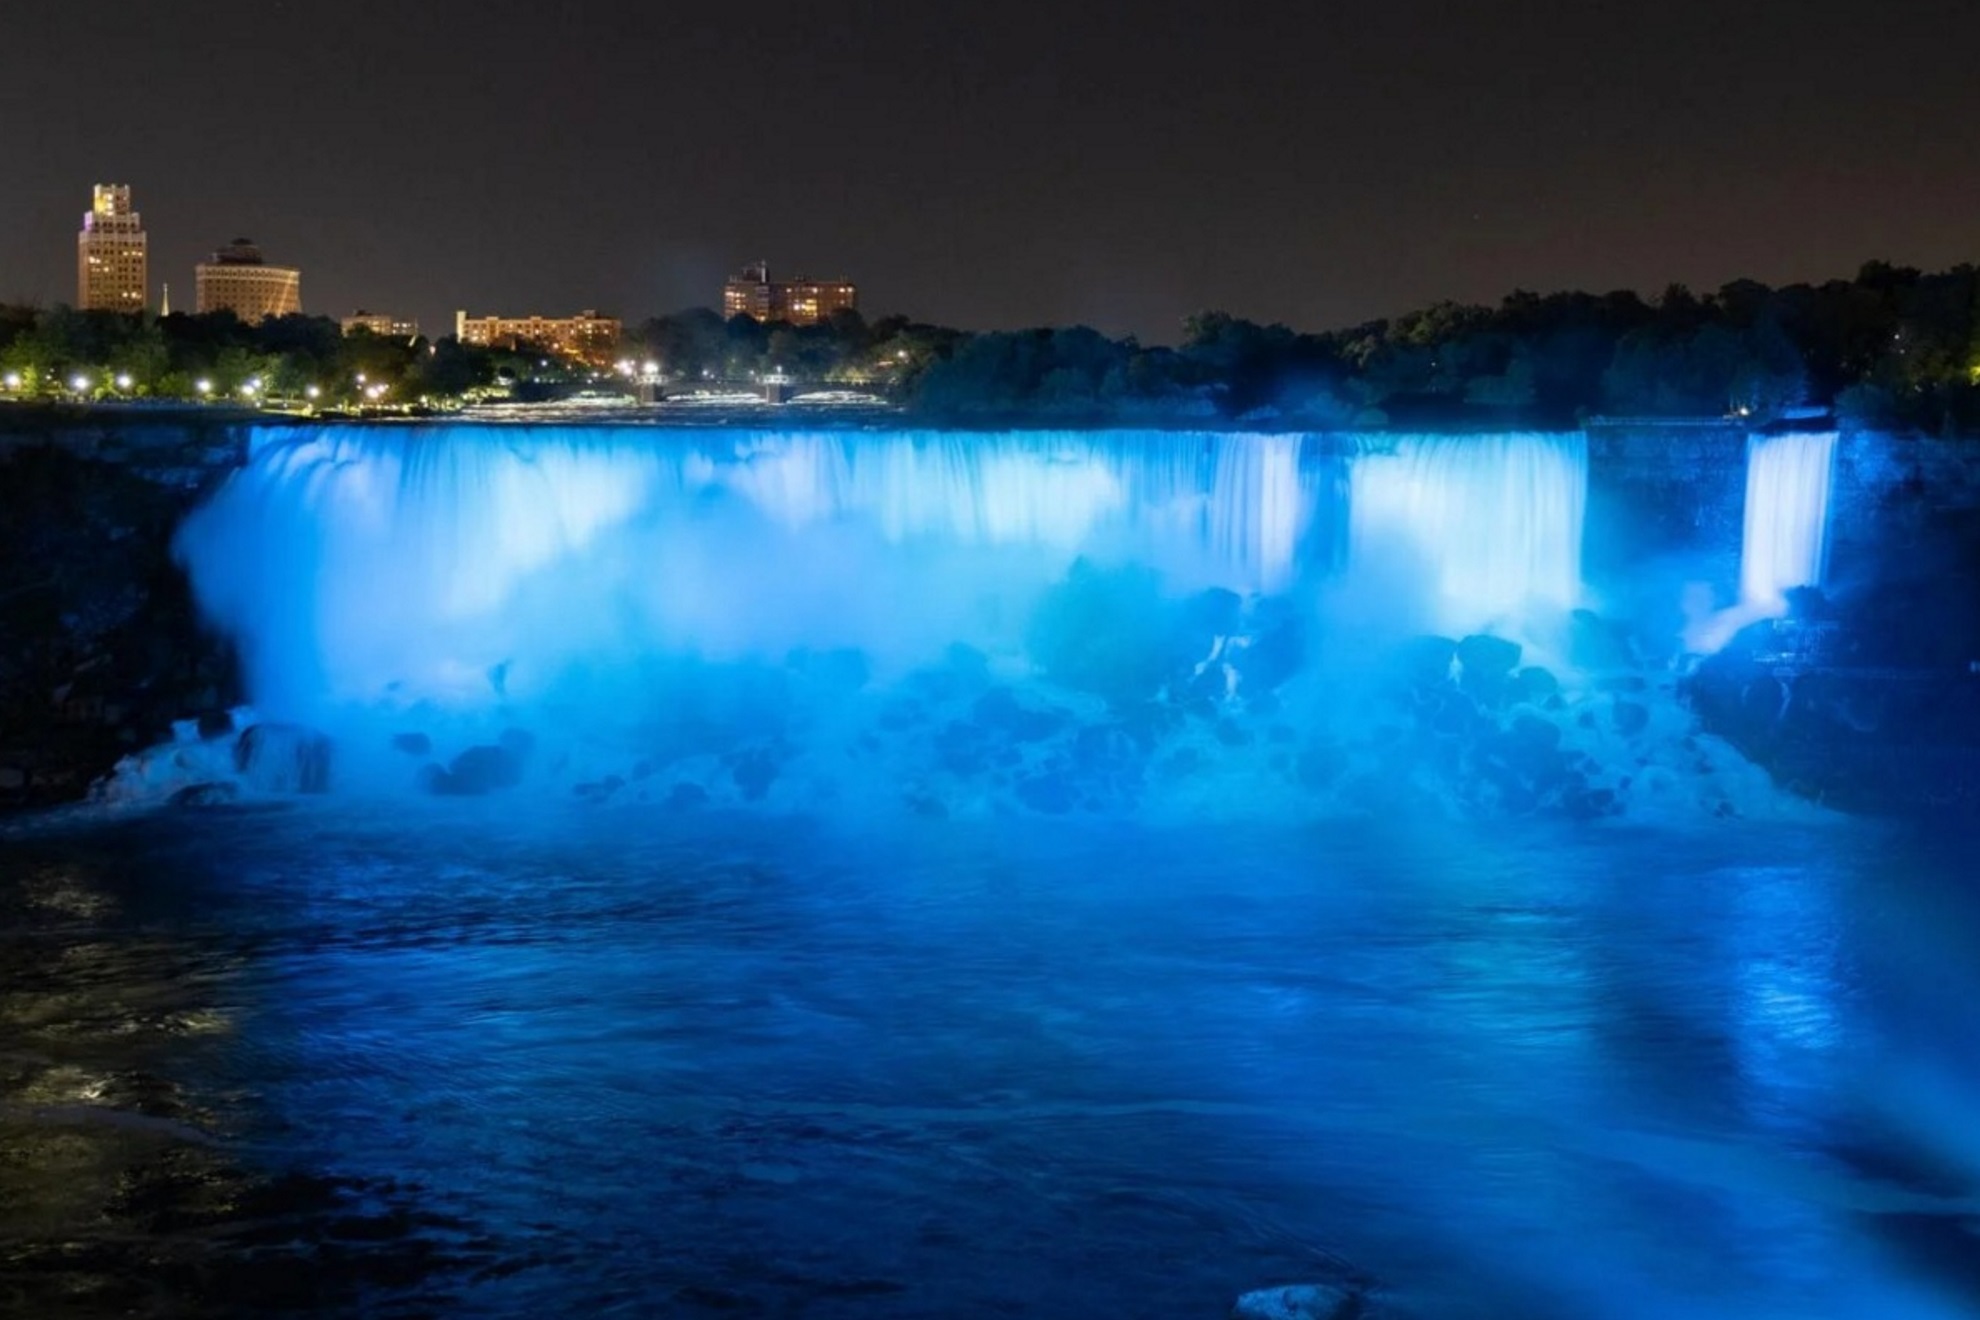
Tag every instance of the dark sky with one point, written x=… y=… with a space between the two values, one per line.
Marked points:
x=996 y=164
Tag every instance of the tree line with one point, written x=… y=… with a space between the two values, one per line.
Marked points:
x=1891 y=346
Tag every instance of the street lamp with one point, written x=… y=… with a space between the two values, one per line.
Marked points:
x=203 y=385
x=123 y=380
x=12 y=380
x=79 y=383
x=313 y=392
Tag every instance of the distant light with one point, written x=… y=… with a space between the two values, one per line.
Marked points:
x=12 y=380
x=248 y=389
x=312 y=391
x=80 y=383
x=204 y=386
x=123 y=380
x=360 y=378
x=650 y=368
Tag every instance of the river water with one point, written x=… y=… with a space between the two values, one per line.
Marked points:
x=405 y=1057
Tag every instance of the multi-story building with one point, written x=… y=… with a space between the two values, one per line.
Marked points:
x=111 y=270
x=237 y=280
x=587 y=337
x=800 y=301
x=381 y=324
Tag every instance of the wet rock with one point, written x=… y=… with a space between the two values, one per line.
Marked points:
x=1485 y=667
x=216 y=793
x=1535 y=684
x=925 y=804
x=283 y=758
x=962 y=748
x=1273 y=655
x=484 y=768
x=412 y=744
x=754 y=770
x=1532 y=729
x=1629 y=717
x=684 y=796
x=1448 y=711
x=998 y=709
x=1424 y=661
x=1308 y=1301
x=1591 y=803
x=1483 y=654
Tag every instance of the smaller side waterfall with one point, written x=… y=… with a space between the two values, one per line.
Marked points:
x=1787 y=516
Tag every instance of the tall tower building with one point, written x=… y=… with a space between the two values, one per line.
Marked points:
x=111 y=271
x=237 y=280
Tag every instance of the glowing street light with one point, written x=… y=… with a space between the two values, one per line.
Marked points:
x=203 y=385
x=650 y=370
x=248 y=390
x=123 y=380
x=79 y=384
x=313 y=392
x=12 y=380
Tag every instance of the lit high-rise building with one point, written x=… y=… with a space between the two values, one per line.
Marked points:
x=111 y=270
x=237 y=280
x=800 y=301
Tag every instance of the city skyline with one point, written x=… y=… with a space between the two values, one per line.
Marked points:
x=1120 y=168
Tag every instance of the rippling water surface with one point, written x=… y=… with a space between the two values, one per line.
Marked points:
x=439 y=1059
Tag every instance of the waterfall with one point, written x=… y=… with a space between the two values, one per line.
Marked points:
x=445 y=563
x=1484 y=529
x=1787 y=517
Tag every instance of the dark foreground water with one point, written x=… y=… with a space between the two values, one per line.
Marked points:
x=340 y=1059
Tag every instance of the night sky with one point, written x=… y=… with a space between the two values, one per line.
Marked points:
x=995 y=164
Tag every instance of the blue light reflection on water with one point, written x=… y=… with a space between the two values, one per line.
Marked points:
x=959 y=1071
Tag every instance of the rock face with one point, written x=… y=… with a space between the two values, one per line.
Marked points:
x=1838 y=711
x=101 y=649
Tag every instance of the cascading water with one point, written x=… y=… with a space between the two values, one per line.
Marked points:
x=352 y=563
x=1787 y=517
x=1488 y=527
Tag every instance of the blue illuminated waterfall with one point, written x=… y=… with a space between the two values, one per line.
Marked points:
x=1490 y=526
x=461 y=564
x=1785 y=544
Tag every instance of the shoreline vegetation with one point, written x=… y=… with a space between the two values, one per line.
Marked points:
x=1889 y=347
